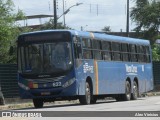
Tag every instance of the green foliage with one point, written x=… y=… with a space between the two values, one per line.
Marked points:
x=146 y=16
x=156 y=52
x=106 y=29
x=50 y=25
x=8 y=30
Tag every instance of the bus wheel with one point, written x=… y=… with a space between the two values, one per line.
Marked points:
x=127 y=95
x=135 y=91
x=86 y=99
x=38 y=103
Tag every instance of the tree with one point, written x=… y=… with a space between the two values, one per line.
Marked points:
x=50 y=25
x=106 y=29
x=156 y=52
x=147 y=18
x=8 y=30
x=145 y=14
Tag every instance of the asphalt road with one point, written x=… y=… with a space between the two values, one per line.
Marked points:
x=140 y=107
x=142 y=104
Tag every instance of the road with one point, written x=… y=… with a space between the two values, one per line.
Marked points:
x=142 y=104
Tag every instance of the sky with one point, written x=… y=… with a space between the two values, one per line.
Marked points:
x=92 y=15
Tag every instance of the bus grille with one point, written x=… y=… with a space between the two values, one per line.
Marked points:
x=44 y=80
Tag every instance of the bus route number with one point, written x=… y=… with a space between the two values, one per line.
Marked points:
x=57 y=84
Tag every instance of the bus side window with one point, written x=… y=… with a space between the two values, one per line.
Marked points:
x=141 y=54
x=116 y=55
x=86 y=42
x=97 y=55
x=77 y=48
x=96 y=44
x=115 y=46
x=106 y=55
x=133 y=53
x=125 y=55
x=87 y=54
x=147 y=54
x=147 y=51
x=106 y=45
x=106 y=48
x=138 y=51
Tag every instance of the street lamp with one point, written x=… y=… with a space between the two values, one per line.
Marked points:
x=65 y=12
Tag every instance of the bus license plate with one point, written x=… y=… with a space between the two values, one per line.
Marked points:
x=45 y=93
x=57 y=84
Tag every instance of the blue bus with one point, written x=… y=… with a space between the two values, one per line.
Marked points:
x=69 y=65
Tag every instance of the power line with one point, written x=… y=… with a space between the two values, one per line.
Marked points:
x=87 y=9
x=91 y=7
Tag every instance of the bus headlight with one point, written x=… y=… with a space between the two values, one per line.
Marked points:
x=68 y=83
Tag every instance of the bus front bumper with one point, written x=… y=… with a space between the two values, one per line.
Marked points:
x=49 y=92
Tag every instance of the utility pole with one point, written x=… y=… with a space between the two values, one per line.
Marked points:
x=81 y=28
x=97 y=9
x=127 y=26
x=55 y=14
x=64 y=21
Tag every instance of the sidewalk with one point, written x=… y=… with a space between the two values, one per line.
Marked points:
x=29 y=104
x=15 y=103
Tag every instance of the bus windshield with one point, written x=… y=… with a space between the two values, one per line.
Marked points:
x=46 y=57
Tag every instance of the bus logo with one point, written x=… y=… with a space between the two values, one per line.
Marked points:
x=87 y=68
x=131 y=69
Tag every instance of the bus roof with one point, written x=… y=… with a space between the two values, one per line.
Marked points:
x=98 y=36
x=106 y=37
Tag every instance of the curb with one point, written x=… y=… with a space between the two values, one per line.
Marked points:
x=30 y=105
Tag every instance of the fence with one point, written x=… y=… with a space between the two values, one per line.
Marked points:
x=156 y=74
x=8 y=80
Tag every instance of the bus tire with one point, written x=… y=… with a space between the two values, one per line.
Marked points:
x=134 y=95
x=86 y=99
x=38 y=103
x=127 y=95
